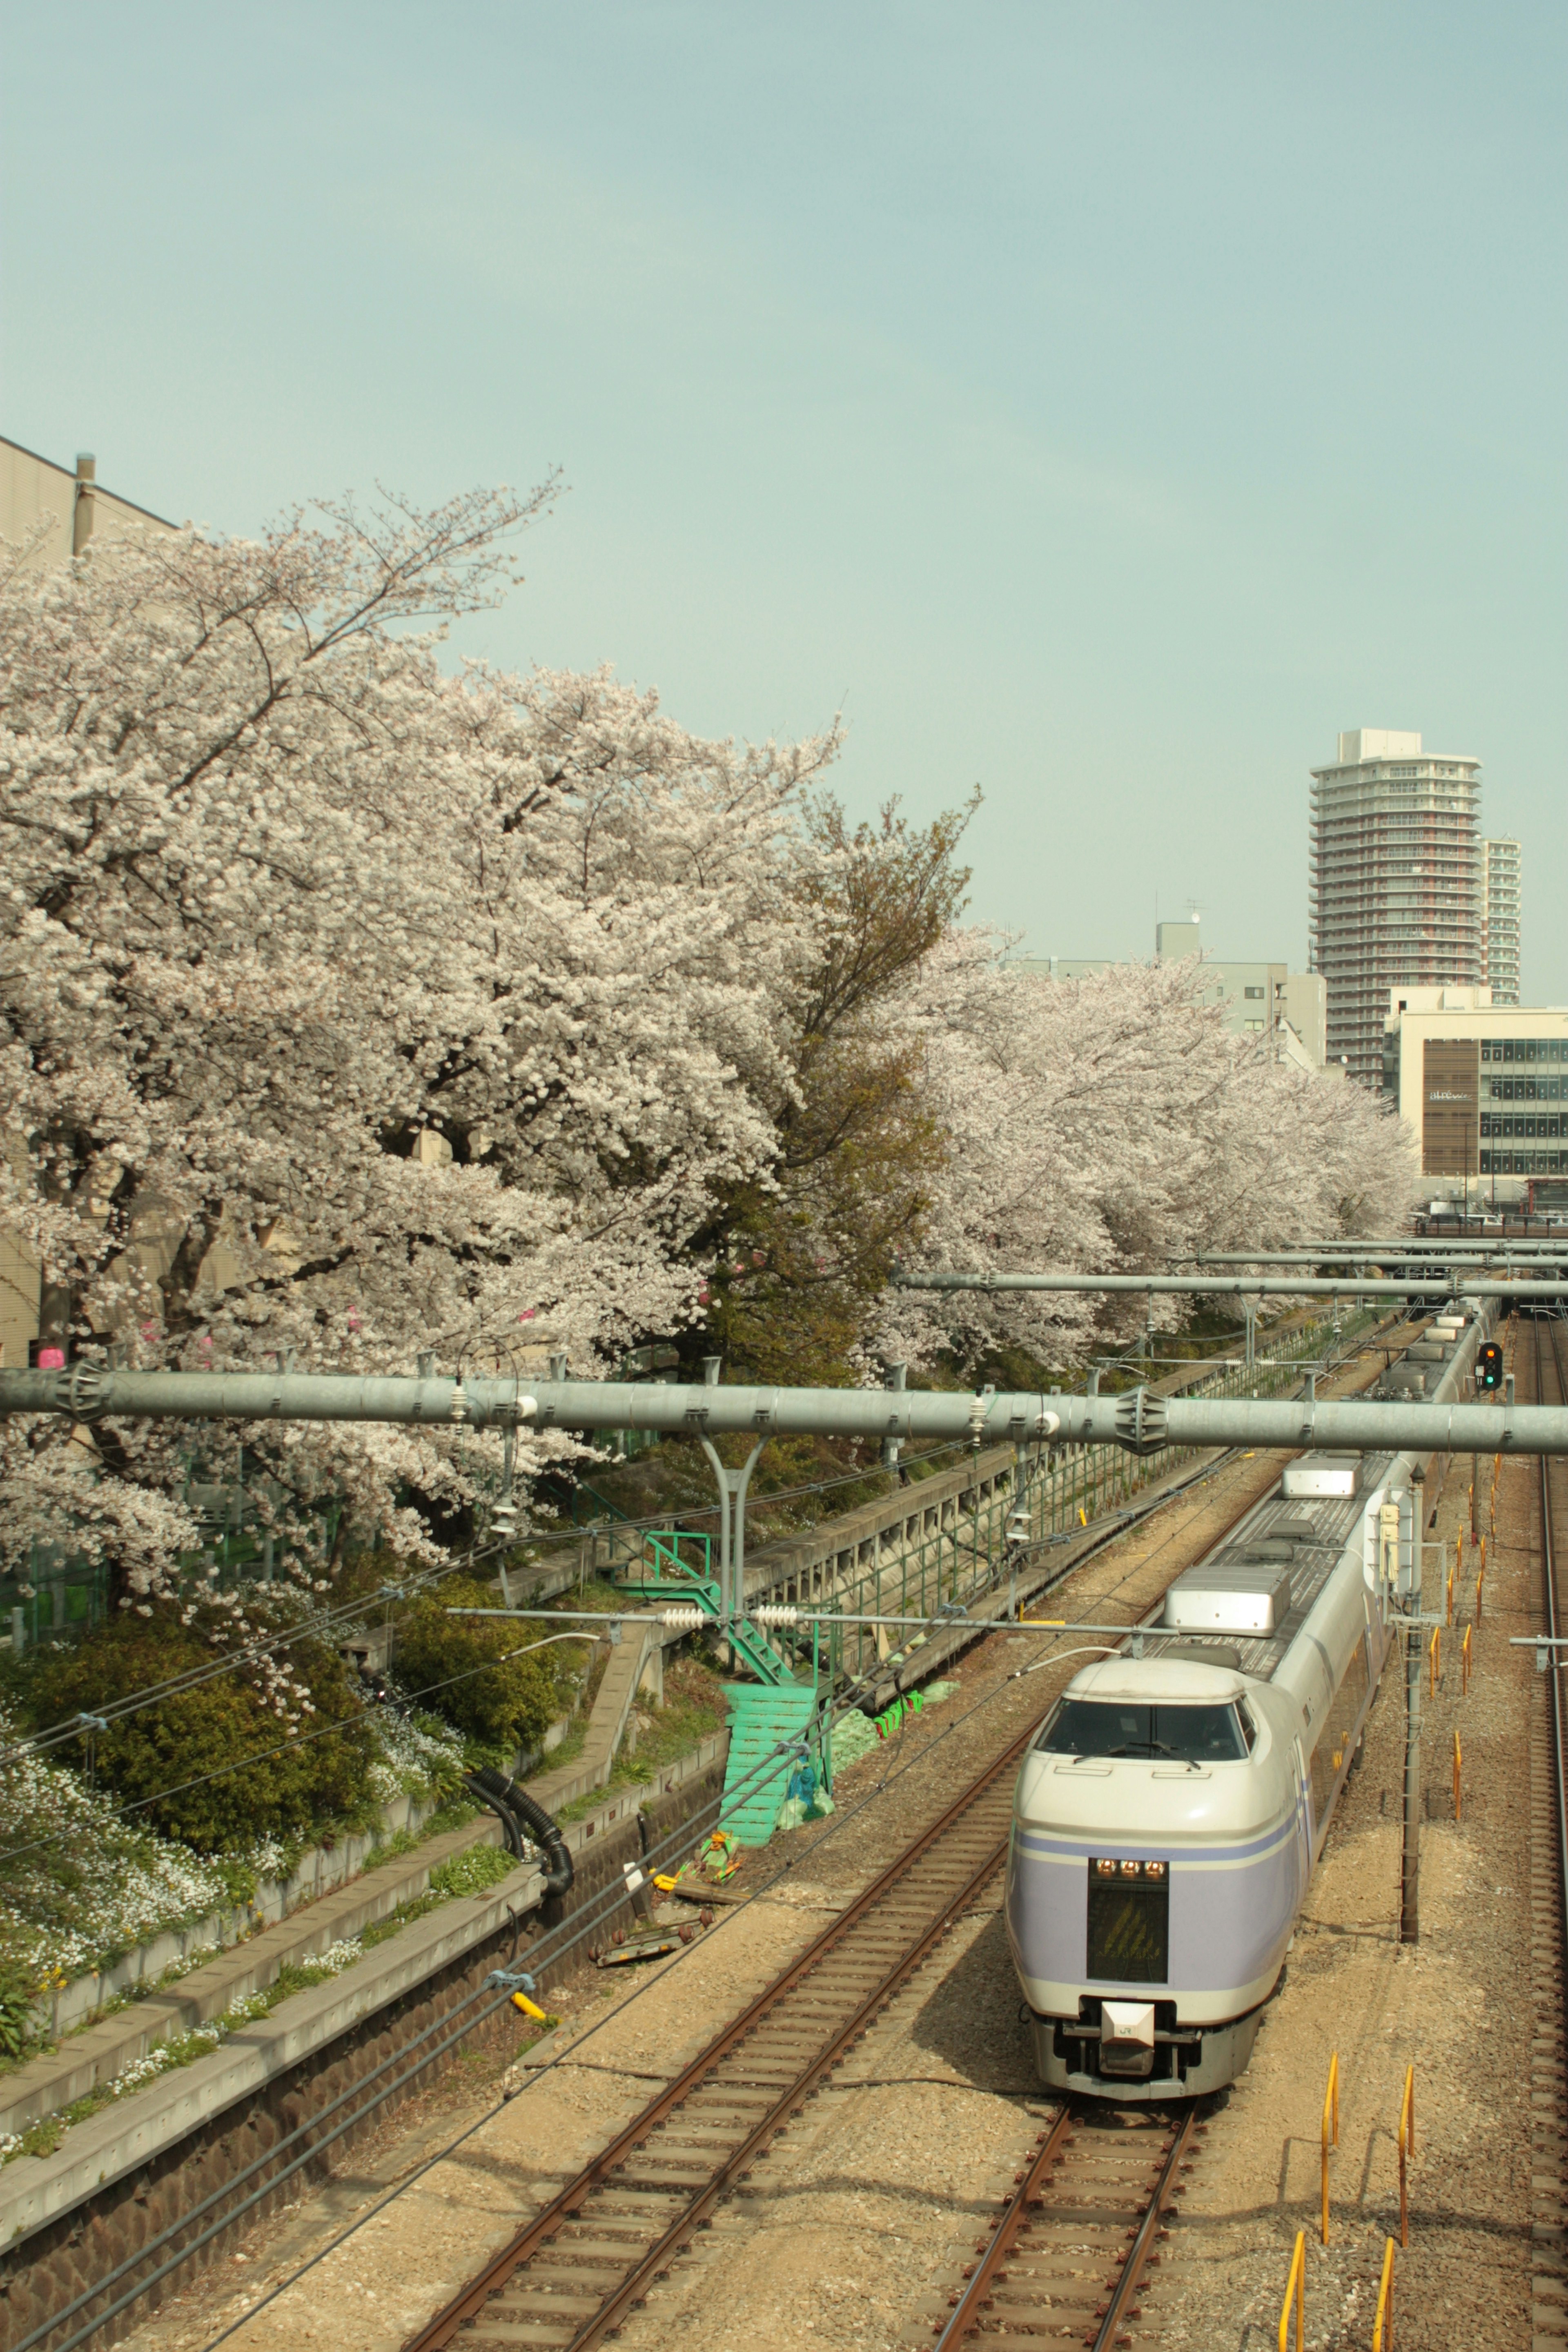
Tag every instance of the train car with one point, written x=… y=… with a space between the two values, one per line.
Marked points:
x=1172 y=1807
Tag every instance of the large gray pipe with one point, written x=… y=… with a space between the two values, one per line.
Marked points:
x=1379 y=1252
x=1455 y=1283
x=1137 y=1419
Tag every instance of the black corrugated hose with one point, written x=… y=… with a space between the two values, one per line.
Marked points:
x=517 y=1811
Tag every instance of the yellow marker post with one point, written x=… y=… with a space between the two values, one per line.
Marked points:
x=1383 y=2322
x=1434 y=1659
x=529 y=2008
x=1457 y=1760
x=1295 y=2293
x=1406 y=2150
x=1331 y=2130
x=1465 y=1661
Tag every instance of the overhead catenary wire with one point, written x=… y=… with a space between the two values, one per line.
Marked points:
x=323 y=1625
x=544 y=1953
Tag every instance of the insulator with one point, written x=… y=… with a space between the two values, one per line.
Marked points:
x=503 y=1519
x=684 y=1620
x=775 y=1613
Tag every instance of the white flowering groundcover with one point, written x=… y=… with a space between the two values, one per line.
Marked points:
x=165 y=2055
x=80 y=1885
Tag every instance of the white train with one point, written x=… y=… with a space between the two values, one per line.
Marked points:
x=1170 y=1813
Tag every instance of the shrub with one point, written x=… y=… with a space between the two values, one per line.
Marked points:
x=291 y=1785
x=461 y=1667
x=472 y=1870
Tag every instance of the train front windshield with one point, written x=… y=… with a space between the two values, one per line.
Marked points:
x=1096 y=1726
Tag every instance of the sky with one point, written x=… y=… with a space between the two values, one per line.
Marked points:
x=1104 y=406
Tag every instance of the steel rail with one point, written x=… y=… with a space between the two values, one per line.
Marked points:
x=1373 y=1253
x=1454 y=1282
x=1026 y=2219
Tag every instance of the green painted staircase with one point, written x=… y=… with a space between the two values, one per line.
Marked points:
x=672 y=1578
x=678 y=1568
x=761 y=1715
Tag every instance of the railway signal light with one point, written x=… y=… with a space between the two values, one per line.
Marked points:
x=1489 y=1366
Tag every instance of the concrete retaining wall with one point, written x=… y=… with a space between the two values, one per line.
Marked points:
x=125 y=2177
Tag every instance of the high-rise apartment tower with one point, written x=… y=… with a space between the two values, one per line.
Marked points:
x=1499 y=913
x=1396 y=883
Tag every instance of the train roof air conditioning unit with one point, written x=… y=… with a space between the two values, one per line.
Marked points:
x=1313 y=1476
x=1234 y=1596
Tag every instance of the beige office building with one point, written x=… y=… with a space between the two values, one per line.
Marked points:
x=70 y=506
x=1484 y=1085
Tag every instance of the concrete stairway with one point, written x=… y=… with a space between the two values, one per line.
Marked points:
x=606 y=1725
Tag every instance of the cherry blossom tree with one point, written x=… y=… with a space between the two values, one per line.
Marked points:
x=353 y=1009
x=1108 y=1125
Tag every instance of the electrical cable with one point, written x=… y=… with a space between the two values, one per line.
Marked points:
x=305 y=1739
x=537 y=1952
x=553 y=1946
x=1122 y=1521
x=346 y=1612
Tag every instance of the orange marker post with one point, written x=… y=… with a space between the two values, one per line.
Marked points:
x=1295 y=2293
x=1331 y=2129
x=1383 y=2322
x=1406 y=2150
x=1457 y=1761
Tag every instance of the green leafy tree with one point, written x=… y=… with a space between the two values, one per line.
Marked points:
x=171 y=1758
x=465 y=1668
x=797 y=1261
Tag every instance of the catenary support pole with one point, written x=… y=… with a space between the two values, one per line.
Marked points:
x=1410 y=1864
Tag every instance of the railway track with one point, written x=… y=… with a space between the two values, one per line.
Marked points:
x=1066 y=2257
x=1551 y=1387
x=574 y=2273
x=1064 y=2260
x=1069 y=2249
x=1549 y=1888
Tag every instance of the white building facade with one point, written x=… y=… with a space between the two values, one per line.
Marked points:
x=1258 y=999
x=1499 y=903
x=1395 y=896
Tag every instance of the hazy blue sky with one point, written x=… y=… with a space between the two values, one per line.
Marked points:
x=1104 y=404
